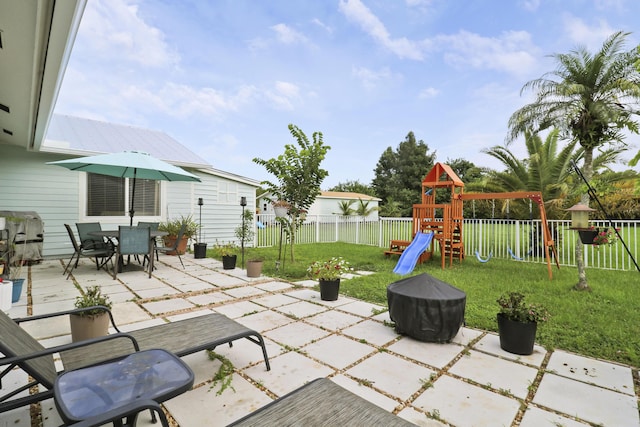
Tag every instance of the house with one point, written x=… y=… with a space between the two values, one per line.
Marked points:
x=35 y=43
x=328 y=203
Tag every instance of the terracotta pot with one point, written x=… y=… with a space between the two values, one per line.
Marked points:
x=87 y=327
x=329 y=289
x=254 y=268
x=169 y=241
x=516 y=337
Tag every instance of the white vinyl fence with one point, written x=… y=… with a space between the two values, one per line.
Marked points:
x=497 y=238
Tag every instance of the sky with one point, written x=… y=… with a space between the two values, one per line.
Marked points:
x=226 y=77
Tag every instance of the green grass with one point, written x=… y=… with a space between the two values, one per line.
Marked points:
x=602 y=323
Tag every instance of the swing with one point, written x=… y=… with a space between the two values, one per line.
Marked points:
x=493 y=211
x=514 y=256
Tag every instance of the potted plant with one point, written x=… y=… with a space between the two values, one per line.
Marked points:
x=90 y=323
x=605 y=236
x=328 y=274
x=281 y=208
x=254 y=264
x=173 y=228
x=228 y=252
x=518 y=323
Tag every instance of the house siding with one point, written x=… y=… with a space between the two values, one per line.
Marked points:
x=27 y=184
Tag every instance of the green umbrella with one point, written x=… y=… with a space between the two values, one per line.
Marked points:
x=128 y=164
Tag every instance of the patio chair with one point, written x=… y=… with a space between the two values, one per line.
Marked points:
x=153 y=226
x=174 y=248
x=88 y=241
x=102 y=256
x=318 y=403
x=133 y=241
x=19 y=349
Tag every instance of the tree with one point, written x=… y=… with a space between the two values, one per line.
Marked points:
x=345 y=207
x=298 y=175
x=399 y=174
x=466 y=170
x=363 y=208
x=354 y=187
x=584 y=98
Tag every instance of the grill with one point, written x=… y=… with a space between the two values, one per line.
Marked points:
x=25 y=236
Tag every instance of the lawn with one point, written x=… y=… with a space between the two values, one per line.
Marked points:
x=603 y=323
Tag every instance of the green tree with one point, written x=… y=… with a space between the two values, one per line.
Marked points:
x=544 y=169
x=467 y=171
x=399 y=174
x=345 y=207
x=363 y=209
x=298 y=175
x=354 y=187
x=584 y=98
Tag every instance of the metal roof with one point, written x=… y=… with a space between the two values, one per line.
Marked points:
x=75 y=135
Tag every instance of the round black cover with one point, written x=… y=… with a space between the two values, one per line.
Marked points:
x=426 y=308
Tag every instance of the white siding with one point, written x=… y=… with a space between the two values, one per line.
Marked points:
x=56 y=194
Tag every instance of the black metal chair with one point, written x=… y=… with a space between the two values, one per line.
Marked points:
x=134 y=241
x=101 y=255
x=87 y=240
x=174 y=248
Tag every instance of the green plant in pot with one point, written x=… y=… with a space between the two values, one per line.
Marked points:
x=228 y=253
x=90 y=323
x=173 y=228
x=328 y=274
x=518 y=323
x=254 y=263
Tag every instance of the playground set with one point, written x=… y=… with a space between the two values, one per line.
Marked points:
x=443 y=223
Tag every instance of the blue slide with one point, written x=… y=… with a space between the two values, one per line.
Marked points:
x=409 y=257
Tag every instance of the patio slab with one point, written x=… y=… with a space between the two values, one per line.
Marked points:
x=468 y=382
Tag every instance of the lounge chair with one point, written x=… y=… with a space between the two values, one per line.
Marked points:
x=182 y=337
x=321 y=402
x=107 y=403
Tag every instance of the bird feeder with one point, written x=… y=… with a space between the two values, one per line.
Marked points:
x=580 y=216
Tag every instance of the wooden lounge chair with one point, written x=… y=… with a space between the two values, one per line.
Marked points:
x=321 y=402
x=182 y=337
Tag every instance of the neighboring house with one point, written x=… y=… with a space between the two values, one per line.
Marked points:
x=35 y=45
x=328 y=203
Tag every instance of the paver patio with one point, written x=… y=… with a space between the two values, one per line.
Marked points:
x=468 y=382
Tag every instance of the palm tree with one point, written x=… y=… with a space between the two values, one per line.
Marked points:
x=585 y=98
x=345 y=207
x=363 y=208
x=544 y=169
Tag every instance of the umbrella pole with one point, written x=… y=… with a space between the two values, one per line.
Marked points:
x=133 y=195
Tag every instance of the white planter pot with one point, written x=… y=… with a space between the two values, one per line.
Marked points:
x=3 y=223
x=280 y=211
x=6 y=293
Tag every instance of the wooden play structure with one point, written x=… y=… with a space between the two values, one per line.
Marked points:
x=446 y=220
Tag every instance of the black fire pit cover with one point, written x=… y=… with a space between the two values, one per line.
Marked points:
x=426 y=308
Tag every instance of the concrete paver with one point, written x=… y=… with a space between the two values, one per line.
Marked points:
x=468 y=382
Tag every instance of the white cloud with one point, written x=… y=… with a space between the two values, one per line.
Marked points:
x=283 y=96
x=179 y=100
x=357 y=12
x=322 y=25
x=512 y=52
x=114 y=28
x=429 y=92
x=370 y=79
x=582 y=34
x=530 y=5
x=288 y=35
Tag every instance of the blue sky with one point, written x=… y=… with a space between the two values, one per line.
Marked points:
x=226 y=77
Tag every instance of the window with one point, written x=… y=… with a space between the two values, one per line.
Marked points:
x=106 y=196
x=228 y=193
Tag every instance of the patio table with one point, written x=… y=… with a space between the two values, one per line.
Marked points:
x=145 y=375
x=113 y=235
